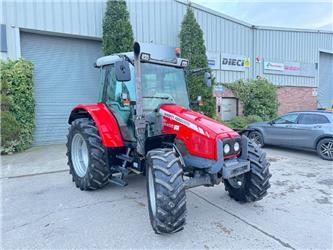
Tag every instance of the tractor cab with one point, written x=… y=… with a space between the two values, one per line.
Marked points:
x=161 y=81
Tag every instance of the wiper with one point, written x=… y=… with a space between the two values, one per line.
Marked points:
x=157 y=97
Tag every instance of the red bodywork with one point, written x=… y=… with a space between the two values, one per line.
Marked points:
x=199 y=133
x=106 y=123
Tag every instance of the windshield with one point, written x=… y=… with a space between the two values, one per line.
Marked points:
x=162 y=84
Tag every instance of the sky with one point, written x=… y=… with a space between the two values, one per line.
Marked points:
x=306 y=14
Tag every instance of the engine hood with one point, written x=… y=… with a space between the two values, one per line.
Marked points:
x=198 y=122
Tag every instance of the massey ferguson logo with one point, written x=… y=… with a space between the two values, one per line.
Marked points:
x=233 y=62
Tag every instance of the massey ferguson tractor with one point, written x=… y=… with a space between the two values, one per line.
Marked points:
x=143 y=124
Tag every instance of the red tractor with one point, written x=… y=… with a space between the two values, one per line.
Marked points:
x=143 y=124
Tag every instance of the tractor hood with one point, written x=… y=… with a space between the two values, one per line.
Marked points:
x=197 y=122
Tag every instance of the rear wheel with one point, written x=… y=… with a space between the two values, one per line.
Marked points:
x=87 y=157
x=325 y=149
x=257 y=138
x=253 y=185
x=166 y=191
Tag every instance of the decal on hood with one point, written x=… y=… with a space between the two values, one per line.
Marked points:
x=184 y=122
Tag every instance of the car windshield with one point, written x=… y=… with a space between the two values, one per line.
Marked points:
x=162 y=84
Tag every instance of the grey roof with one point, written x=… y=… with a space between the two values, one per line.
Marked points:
x=106 y=60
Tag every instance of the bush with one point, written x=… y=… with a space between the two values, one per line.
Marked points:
x=240 y=122
x=18 y=101
x=9 y=132
x=258 y=96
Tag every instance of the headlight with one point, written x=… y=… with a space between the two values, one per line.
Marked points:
x=236 y=146
x=226 y=149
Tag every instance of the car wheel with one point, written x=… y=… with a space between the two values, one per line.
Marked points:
x=325 y=149
x=257 y=138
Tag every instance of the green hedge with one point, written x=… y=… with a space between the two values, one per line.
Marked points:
x=17 y=105
x=258 y=96
x=240 y=122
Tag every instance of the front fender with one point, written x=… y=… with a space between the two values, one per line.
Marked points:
x=105 y=122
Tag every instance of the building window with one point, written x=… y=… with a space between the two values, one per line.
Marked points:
x=3 y=35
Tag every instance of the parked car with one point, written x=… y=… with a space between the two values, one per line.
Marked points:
x=311 y=130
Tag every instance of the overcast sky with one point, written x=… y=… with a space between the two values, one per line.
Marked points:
x=307 y=14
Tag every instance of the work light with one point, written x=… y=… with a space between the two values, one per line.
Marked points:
x=236 y=146
x=226 y=149
x=145 y=56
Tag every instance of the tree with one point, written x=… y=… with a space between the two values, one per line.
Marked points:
x=192 y=47
x=117 y=29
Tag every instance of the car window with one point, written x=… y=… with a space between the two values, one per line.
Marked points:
x=313 y=119
x=286 y=119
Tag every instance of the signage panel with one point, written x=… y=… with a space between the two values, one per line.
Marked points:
x=290 y=68
x=234 y=62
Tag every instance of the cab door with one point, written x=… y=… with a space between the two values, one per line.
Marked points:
x=117 y=96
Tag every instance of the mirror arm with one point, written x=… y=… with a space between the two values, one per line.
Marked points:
x=196 y=71
x=127 y=59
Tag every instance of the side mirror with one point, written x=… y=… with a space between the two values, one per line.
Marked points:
x=208 y=79
x=197 y=102
x=122 y=70
x=271 y=122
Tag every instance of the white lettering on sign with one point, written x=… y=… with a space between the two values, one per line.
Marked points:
x=273 y=66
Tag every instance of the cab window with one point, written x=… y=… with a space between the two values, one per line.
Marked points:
x=115 y=91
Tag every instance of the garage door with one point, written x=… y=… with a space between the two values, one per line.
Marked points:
x=63 y=76
x=325 y=90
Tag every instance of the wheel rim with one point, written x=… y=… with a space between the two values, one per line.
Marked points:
x=326 y=149
x=151 y=187
x=79 y=153
x=256 y=138
x=237 y=181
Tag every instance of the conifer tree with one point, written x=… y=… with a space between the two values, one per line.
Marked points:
x=117 y=29
x=192 y=47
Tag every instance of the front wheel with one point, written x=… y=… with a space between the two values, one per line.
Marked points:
x=165 y=191
x=325 y=149
x=253 y=185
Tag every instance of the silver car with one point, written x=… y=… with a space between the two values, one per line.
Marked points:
x=311 y=130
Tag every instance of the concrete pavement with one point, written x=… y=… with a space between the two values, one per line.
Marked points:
x=47 y=211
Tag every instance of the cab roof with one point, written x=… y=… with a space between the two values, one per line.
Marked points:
x=111 y=59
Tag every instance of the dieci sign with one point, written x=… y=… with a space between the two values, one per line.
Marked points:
x=234 y=62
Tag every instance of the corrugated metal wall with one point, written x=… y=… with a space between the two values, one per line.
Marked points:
x=284 y=45
x=159 y=21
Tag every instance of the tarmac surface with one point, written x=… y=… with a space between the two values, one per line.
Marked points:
x=42 y=208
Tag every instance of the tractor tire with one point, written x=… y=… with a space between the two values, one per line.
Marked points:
x=253 y=185
x=86 y=155
x=165 y=191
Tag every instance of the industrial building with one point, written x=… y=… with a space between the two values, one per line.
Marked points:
x=63 y=40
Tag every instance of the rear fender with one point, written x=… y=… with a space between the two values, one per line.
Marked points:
x=105 y=122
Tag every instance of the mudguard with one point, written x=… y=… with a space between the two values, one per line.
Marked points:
x=105 y=122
